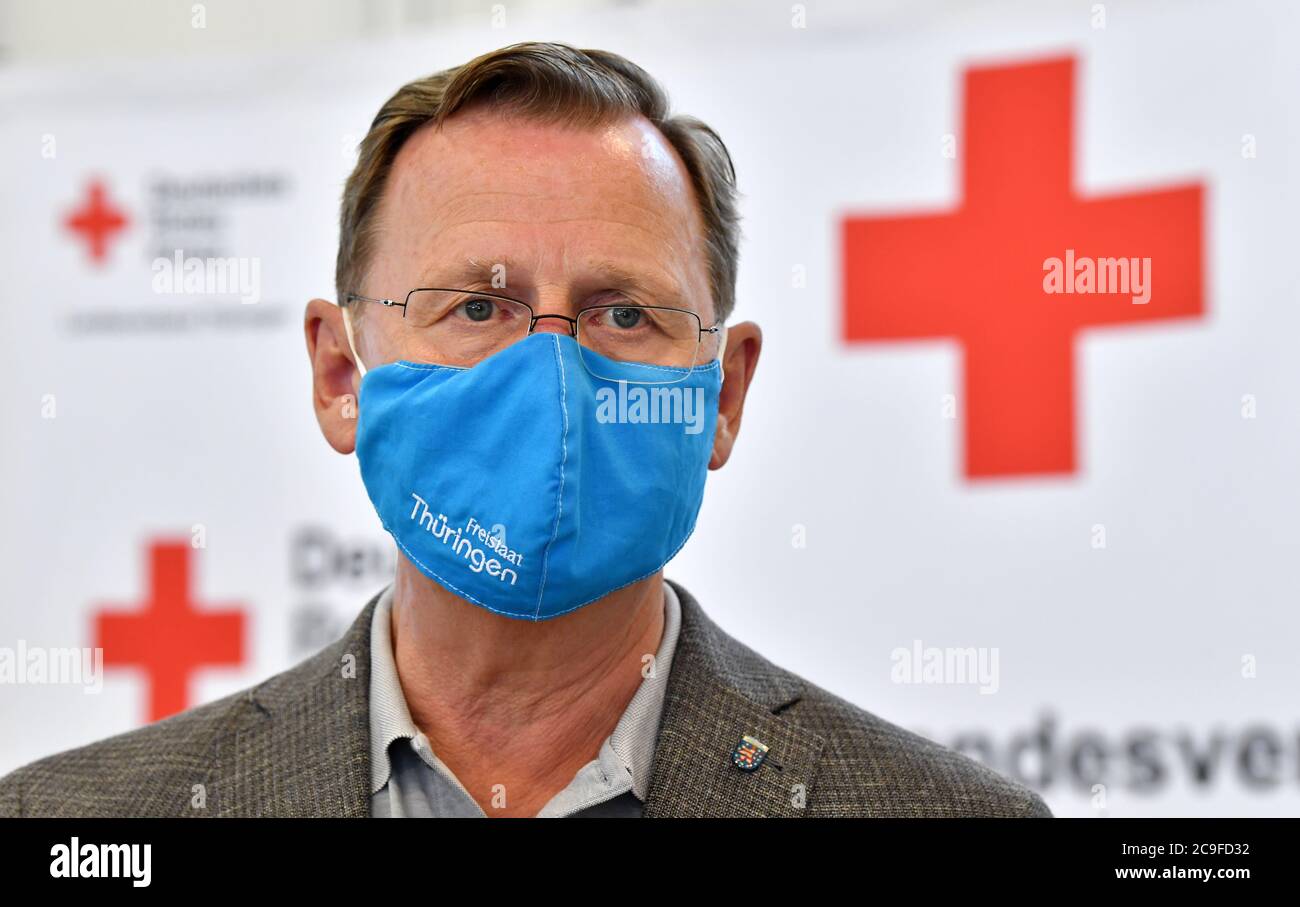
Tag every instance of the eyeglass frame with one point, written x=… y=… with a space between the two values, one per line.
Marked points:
x=533 y=316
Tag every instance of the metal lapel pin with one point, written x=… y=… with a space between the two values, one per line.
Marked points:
x=748 y=754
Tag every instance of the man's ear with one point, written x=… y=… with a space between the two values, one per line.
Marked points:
x=744 y=343
x=335 y=378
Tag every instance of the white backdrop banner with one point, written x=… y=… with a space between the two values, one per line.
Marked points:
x=1018 y=466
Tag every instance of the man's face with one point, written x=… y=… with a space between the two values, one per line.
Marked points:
x=563 y=218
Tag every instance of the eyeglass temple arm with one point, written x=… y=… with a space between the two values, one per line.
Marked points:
x=388 y=302
x=722 y=346
x=348 y=330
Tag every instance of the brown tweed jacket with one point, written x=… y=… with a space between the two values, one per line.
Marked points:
x=298 y=745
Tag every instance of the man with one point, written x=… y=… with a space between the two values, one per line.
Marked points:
x=531 y=360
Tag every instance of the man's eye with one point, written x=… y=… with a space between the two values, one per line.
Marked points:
x=478 y=309
x=625 y=318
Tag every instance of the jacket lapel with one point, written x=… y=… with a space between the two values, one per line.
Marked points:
x=301 y=745
x=718 y=692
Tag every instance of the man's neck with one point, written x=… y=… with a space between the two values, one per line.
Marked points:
x=514 y=708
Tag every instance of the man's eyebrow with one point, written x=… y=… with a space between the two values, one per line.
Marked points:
x=472 y=271
x=467 y=271
x=666 y=292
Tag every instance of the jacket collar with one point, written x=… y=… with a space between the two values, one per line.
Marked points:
x=302 y=746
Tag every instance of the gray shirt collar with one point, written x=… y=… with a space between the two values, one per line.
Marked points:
x=630 y=747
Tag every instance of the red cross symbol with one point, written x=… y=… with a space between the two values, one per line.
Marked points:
x=976 y=274
x=169 y=638
x=96 y=221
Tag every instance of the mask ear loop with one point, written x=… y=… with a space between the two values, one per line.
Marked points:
x=722 y=349
x=352 y=341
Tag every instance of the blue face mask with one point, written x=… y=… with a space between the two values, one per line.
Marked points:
x=527 y=485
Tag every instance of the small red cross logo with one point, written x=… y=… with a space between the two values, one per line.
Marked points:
x=976 y=274
x=96 y=221
x=169 y=638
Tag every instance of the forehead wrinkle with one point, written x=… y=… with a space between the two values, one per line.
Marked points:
x=461 y=205
x=603 y=221
x=669 y=245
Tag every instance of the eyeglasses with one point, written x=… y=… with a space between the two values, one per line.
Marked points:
x=463 y=327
